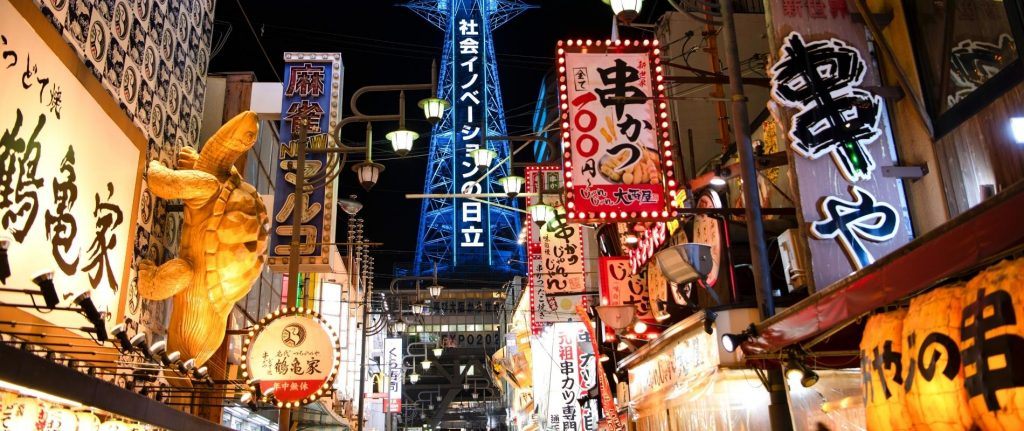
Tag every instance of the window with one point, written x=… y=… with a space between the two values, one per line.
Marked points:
x=968 y=54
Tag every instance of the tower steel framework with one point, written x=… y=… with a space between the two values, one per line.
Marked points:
x=445 y=228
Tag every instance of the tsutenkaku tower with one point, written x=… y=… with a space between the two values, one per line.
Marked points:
x=463 y=236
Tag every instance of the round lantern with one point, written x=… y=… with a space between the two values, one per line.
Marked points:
x=87 y=421
x=24 y=413
x=936 y=398
x=881 y=345
x=992 y=346
x=114 y=425
x=60 y=419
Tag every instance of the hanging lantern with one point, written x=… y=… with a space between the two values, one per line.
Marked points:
x=992 y=346
x=24 y=413
x=433 y=108
x=435 y=291
x=512 y=185
x=114 y=425
x=368 y=172
x=541 y=213
x=931 y=337
x=482 y=158
x=627 y=10
x=402 y=140
x=881 y=368
x=60 y=419
x=87 y=421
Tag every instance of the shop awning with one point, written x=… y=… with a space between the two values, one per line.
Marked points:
x=987 y=231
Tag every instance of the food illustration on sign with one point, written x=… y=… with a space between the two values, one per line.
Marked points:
x=625 y=168
x=223 y=241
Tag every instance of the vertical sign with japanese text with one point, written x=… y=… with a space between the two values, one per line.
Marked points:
x=395 y=375
x=618 y=155
x=70 y=177
x=469 y=109
x=620 y=286
x=312 y=89
x=569 y=367
x=839 y=138
x=555 y=252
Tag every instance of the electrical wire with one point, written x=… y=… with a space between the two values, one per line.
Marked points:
x=259 y=42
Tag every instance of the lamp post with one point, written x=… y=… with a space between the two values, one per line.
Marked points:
x=367 y=171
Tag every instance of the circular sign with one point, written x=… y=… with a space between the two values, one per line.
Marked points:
x=291 y=357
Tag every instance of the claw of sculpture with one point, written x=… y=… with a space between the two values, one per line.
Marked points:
x=223 y=239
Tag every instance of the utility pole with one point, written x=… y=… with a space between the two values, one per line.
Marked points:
x=778 y=409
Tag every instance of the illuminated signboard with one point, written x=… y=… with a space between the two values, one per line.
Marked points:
x=839 y=141
x=393 y=356
x=618 y=155
x=312 y=89
x=70 y=176
x=568 y=372
x=295 y=353
x=555 y=252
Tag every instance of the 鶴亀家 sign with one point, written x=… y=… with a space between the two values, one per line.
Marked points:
x=615 y=131
x=293 y=351
x=70 y=175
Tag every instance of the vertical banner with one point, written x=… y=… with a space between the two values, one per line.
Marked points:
x=618 y=155
x=839 y=138
x=312 y=90
x=70 y=179
x=469 y=111
x=570 y=372
x=555 y=252
x=619 y=286
x=393 y=356
x=607 y=401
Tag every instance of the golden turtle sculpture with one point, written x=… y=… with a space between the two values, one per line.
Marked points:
x=223 y=239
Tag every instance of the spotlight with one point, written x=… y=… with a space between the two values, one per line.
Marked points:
x=720 y=175
x=156 y=351
x=202 y=373
x=1017 y=129
x=5 y=265
x=269 y=392
x=809 y=379
x=640 y=327
x=84 y=301
x=171 y=358
x=731 y=341
x=185 y=367
x=139 y=342
x=709 y=321
x=121 y=333
x=249 y=400
x=45 y=283
x=798 y=372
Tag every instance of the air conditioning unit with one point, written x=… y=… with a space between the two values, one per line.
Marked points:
x=792 y=250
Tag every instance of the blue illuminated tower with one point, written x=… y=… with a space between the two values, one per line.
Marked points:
x=463 y=236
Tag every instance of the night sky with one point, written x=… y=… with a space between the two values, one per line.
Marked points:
x=384 y=43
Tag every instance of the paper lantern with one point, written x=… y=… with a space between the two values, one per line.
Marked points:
x=114 y=425
x=87 y=421
x=882 y=368
x=60 y=419
x=933 y=377
x=992 y=346
x=24 y=413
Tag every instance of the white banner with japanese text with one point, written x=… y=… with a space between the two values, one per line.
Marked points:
x=555 y=252
x=393 y=356
x=563 y=358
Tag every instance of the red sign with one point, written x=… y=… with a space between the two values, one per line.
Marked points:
x=293 y=352
x=619 y=286
x=648 y=243
x=618 y=155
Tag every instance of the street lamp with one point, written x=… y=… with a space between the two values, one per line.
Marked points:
x=433 y=108
x=426 y=364
x=541 y=213
x=627 y=10
x=483 y=158
x=512 y=184
x=413 y=378
x=438 y=351
x=402 y=140
x=435 y=290
x=367 y=172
